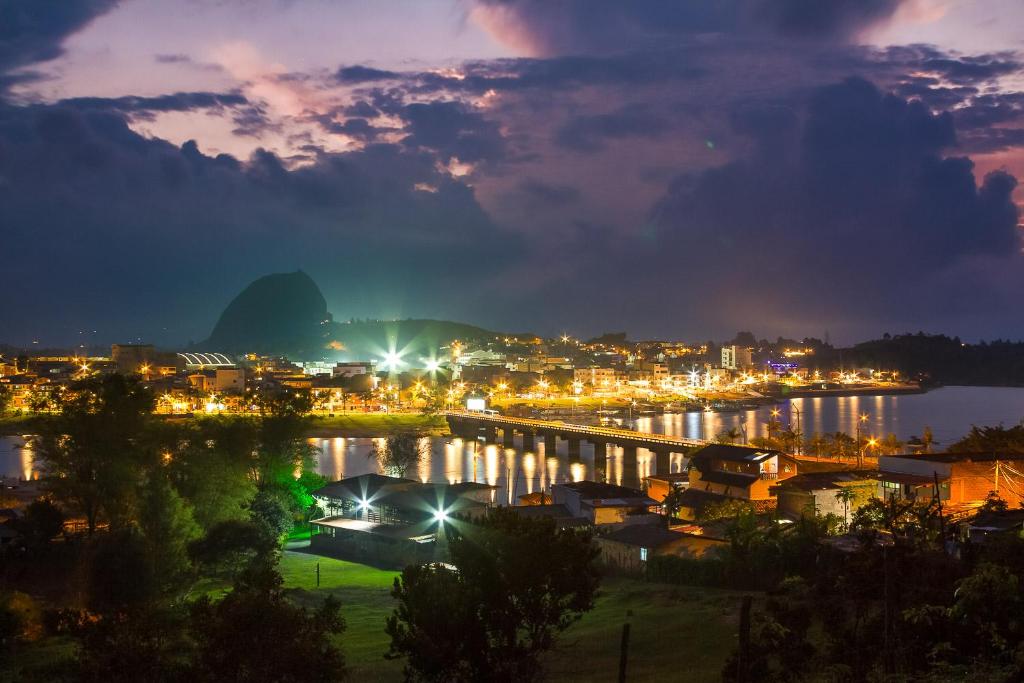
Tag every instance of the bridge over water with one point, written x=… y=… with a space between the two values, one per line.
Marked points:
x=474 y=425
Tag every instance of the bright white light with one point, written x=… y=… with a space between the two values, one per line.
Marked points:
x=391 y=360
x=363 y=504
x=441 y=516
x=433 y=366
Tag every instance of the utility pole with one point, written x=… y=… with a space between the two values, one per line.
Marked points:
x=743 y=660
x=624 y=648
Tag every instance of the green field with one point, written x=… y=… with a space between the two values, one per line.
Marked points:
x=674 y=629
x=677 y=632
x=377 y=424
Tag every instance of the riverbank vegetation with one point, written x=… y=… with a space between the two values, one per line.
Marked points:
x=174 y=573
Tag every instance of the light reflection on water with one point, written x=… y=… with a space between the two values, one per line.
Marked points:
x=949 y=411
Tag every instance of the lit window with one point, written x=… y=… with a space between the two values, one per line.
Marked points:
x=643 y=554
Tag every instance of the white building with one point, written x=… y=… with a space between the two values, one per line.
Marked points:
x=736 y=357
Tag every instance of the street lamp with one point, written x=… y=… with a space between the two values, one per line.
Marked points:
x=771 y=421
x=861 y=419
x=799 y=439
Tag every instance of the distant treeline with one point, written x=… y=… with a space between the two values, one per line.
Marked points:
x=934 y=359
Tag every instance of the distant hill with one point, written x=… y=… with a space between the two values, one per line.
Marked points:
x=286 y=314
x=285 y=311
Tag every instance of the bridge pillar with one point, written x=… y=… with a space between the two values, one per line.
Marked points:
x=528 y=444
x=550 y=444
x=663 y=460
x=490 y=434
x=508 y=437
x=574 y=450
x=600 y=460
x=629 y=467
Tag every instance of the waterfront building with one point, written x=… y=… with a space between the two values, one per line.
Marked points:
x=390 y=521
x=740 y=472
x=605 y=504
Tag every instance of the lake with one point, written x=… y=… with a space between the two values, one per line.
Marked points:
x=949 y=411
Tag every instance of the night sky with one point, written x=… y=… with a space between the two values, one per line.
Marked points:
x=671 y=169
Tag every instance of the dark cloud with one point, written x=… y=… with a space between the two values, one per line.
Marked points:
x=972 y=69
x=932 y=93
x=363 y=74
x=32 y=31
x=588 y=132
x=138 y=234
x=929 y=61
x=358 y=128
x=252 y=121
x=361 y=109
x=863 y=209
x=549 y=193
x=582 y=26
x=181 y=101
x=452 y=129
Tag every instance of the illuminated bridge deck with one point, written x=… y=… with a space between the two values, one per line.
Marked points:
x=594 y=434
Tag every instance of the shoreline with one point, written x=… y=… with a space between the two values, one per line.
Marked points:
x=853 y=391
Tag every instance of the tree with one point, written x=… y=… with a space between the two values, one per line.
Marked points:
x=143 y=645
x=5 y=399
x=40 y=522
x=515 y=585
x=928 y=439
x=212 y=468
x=991 y=440
x=168 y=526
x=728 y=435
x=673 y=502
x=231 y=546
x=727 y=509
x=255 y=634
x=268 y=509
x=119 y=573
x=397 y=454
x=98 y=449
x=846 y=495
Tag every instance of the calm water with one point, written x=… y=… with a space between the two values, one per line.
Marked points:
x=949 y=411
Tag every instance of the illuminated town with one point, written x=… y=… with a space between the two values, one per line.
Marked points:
x=459 y=341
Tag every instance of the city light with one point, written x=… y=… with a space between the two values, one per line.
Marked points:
x=391 y=360
x=440 y=516
x=432 y=365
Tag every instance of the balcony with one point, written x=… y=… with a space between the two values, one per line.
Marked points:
x=769 y=475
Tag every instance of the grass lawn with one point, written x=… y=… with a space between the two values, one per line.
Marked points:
x=377 y=424
x=674 y=628
x=680 y=633
x=677 y=632
x=300 y=532
x=365 y=595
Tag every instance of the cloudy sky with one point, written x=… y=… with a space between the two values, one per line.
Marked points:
x=674 y=169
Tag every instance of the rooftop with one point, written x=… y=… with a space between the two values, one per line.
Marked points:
x=816 y=481
x=645 y=535
x=591 y=490
x=728 y=478
x=731 y=453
